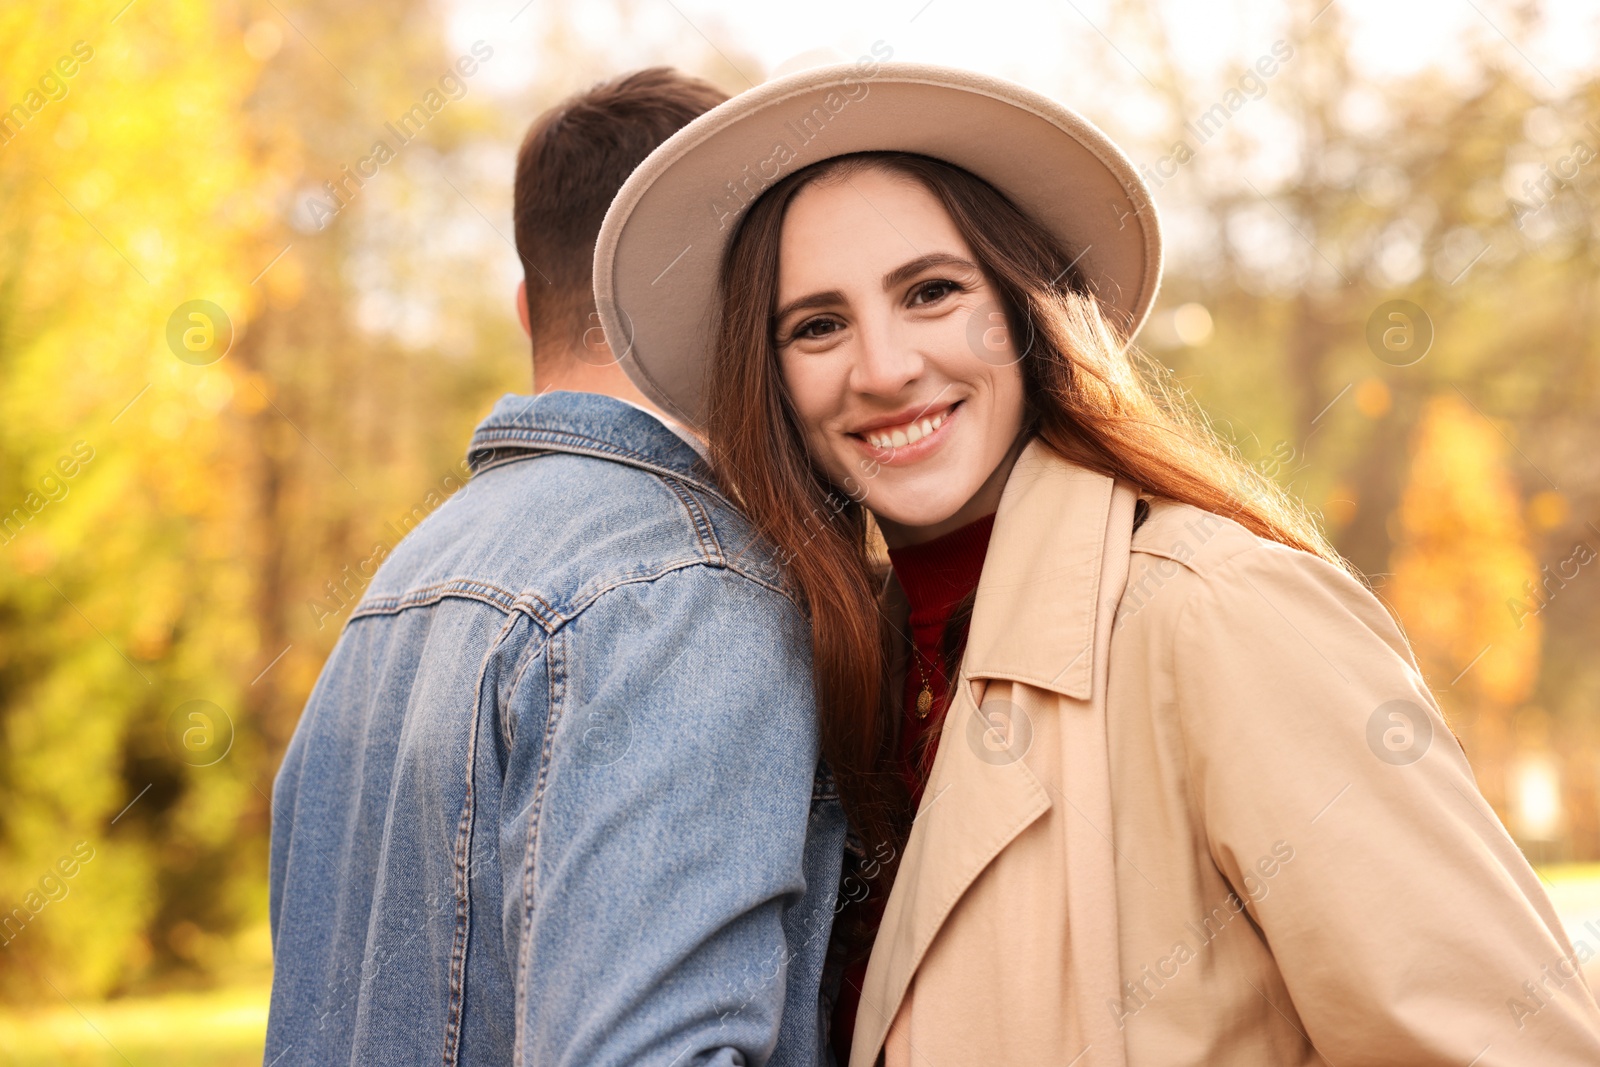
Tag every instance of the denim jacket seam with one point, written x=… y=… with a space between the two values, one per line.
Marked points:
x=734 y=563
x=704 y=530
x=526 y=603
x=525 y=659
x=555 y=680
x=508 y=458
x=427 y=595
x=462 y=874
x=643 y=577
x=538 y=608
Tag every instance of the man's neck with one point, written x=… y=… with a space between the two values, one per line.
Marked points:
x=576 y=374
x=584 y=373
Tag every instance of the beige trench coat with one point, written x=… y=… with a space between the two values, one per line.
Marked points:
x=1209 y=813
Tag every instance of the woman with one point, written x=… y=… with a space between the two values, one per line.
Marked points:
x=1181 y=794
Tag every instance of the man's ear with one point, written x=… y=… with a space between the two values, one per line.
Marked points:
x=522 y=307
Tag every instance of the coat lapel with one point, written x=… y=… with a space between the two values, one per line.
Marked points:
x=1041 y=618
x=971 y=809
x=1034 y=618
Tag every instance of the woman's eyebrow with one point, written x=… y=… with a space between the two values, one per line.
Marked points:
x=912 y=268
x=814 y=300
x=899 y=275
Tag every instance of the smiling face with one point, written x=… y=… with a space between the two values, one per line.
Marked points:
x=895 y=353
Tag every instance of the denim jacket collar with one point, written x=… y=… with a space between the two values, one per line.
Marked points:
x=588 y=424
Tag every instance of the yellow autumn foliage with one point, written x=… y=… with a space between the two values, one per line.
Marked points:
x=1461 y=554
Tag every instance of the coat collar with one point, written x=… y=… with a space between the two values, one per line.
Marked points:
x=1034 y=617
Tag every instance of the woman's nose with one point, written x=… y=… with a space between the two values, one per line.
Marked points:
x=884 y=362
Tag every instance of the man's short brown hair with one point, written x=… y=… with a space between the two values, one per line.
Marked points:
x=572 y=162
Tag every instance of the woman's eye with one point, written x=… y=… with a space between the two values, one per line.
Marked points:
x=932 y=292
x=813 y=329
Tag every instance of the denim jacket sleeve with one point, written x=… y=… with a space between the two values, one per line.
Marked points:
x=656 y=809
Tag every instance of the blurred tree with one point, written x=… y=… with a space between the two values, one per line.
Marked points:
x=119 y=590
x=219 y=486
x=1462 y=543
x=1321 y=194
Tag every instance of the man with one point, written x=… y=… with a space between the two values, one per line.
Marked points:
x=556 y=797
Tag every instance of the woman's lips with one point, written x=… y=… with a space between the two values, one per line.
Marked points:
x=930 y=431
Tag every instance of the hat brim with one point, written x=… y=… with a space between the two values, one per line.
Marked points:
x=661 y=245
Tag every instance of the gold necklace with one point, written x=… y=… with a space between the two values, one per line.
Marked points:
x=925 y=696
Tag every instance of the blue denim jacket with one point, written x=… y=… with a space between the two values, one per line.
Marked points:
x=556 y=797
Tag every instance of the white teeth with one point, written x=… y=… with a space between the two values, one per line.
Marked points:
x=910 y=434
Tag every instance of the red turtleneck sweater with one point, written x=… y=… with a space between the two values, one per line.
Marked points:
x=936 y=576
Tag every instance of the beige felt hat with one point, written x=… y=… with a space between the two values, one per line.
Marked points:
x=661 y=245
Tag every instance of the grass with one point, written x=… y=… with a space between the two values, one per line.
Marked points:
x=226 y=1027
x=220 y=1028
x=1574 y=889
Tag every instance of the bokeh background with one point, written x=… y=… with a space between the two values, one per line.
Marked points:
x=226 y=384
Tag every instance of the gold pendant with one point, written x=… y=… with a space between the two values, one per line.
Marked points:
x=924 y=701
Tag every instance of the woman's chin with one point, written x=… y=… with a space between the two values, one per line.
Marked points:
x=911 y=519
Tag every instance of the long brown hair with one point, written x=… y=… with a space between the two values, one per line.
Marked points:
x=1091 y=398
